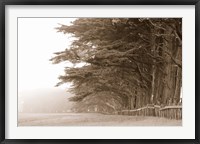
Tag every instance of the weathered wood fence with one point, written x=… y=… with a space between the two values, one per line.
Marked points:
x=171 y=112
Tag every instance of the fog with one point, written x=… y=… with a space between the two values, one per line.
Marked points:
x=53 y=100
x=37 y=41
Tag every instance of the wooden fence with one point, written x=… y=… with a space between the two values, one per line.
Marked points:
x=171 y=112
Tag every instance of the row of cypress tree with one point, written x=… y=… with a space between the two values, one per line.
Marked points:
x=129 y=62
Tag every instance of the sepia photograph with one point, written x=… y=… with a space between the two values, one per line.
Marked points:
x=99 y=71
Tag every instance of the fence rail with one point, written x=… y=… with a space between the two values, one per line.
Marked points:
x=171 y=112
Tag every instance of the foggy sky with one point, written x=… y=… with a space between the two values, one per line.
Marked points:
x=37 y=41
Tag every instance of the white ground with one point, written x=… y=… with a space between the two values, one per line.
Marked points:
x=91 y=119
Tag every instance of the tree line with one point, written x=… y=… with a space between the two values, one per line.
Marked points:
x=129 y=62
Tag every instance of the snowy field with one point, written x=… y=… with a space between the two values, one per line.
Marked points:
x=91 y=119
